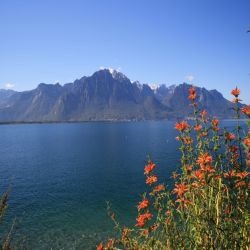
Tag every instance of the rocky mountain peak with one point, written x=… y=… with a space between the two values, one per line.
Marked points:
x=108 y=95
x=115 y=74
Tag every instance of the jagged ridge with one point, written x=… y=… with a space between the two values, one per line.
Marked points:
x=106 y=95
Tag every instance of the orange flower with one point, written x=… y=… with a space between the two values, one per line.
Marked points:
x=198 y=185
x=235 y=155
x=240 y=184
x=203 y=134
x=110 y=243
x=194 y=184
x=187 y=140
x=230 y=174
x=181 y=126
x=180 y=189
x=151 y=179
x=246 y=110
x=154 y=227
x=242 y=175
x=198 y=127
x=192 y=97
x=149 y=168
x=203 y=113
x=188 y=167
x=192 y=90
x=197 y=174
x=215 y=123
x=207 y=168
x=235 y=92
x=230 y=136
x=204 y=158
x=247 y=142
x=143 y=204
x=157 y=189
x=140 y=222
x=100 y=246
x=183 y=202
x=143 y=218
x=192 y=94
x=233 y=149
x=217 y=177
x=225 y=189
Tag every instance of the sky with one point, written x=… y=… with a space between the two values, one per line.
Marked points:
x=204 y=43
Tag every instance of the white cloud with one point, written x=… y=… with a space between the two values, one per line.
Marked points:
x=110 y=68
x=154 y=86
x=190 y=78
x=9 y=86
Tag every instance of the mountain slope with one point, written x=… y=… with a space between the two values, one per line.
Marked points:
x=5 y=95
x=176 y=97
x=106 y=95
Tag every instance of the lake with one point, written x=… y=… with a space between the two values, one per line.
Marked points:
x=61 y=175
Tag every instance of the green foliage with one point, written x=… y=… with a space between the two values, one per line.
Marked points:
x=208 y=208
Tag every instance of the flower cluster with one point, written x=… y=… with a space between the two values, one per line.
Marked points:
x=143 y=218
x=181 y=126
x=208 y=206
x=192 y=94
x=246 y=110
x=149 y=168
x=151 y=179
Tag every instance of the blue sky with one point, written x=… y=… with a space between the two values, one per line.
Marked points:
x=201 y=42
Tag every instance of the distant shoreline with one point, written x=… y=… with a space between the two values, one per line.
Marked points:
x=58 y=122
x=99 y=121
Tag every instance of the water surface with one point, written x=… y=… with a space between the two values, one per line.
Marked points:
x=61 y=176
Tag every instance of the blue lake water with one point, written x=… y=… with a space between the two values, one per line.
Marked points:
x=61 y=175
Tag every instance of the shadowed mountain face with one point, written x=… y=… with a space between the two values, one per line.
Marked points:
x=176 y=97
x=106 y=95
x=5 y=95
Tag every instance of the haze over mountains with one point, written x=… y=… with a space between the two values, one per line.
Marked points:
x=107 y=95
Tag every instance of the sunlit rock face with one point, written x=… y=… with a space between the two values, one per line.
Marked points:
x=107 y=95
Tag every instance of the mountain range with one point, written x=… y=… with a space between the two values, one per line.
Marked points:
x=107 y=95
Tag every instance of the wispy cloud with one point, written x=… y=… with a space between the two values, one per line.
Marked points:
x=190 y=78
x=154 y=86
x=9 y=86
x=111 y=68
